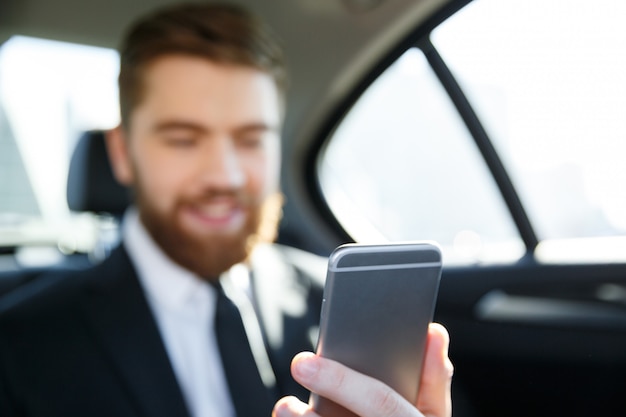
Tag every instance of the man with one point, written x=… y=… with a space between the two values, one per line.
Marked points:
x=147 y=332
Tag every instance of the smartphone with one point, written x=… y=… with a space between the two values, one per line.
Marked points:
x=378 y=303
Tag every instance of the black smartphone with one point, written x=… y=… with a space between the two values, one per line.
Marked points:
x=378 y=303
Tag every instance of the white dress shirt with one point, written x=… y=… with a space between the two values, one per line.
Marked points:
x=184 y=308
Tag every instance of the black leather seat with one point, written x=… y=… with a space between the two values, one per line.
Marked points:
x=91 y=186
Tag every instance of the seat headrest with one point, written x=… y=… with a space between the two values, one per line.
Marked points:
x=91 y=185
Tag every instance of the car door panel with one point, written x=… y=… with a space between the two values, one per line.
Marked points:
x=540 y=340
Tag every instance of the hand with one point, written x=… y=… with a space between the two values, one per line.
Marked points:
x=368 y=397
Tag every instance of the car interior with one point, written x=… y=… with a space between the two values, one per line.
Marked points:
x=495 y=129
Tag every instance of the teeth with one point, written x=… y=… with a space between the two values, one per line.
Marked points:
x=216 y=210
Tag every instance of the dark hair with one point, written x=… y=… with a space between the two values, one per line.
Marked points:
x=222 y=33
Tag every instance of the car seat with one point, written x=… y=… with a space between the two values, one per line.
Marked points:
x=91 y=187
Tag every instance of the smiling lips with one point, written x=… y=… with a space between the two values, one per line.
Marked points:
x=217 y=214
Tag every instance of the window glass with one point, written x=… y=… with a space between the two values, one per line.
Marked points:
x=547 y=80
x=49 y=93
x=402 y=166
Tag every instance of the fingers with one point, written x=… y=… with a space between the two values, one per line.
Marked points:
x=292 y=407
x=434 y=398
x=368 y=397
x=361 y=394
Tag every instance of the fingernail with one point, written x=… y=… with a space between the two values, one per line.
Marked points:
x=307 y=366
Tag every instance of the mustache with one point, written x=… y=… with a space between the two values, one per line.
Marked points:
x=238 y=196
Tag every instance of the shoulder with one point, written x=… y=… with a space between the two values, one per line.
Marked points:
x=38 y=314
x=52 y=292
x=40 y=292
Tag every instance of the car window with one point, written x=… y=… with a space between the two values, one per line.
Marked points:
x=402 y=166
x=50 y=92
x=547 y=83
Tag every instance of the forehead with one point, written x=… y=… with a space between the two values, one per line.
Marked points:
x=180 y=86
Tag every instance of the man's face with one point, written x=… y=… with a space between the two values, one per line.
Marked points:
x=203 y=154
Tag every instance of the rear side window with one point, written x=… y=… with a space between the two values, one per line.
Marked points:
x=402 y=166
x=546 y=81
x=50 y=92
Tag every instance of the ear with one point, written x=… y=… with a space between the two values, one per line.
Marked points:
x=119 y=155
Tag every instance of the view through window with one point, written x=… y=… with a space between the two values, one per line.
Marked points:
x=50 y=92
x=546 y=80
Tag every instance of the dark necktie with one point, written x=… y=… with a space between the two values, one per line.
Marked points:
x=250 y=396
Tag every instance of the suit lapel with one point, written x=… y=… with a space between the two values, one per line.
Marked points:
x=123 y=325
x=288 y=310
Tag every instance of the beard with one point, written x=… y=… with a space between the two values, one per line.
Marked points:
x=208 y=256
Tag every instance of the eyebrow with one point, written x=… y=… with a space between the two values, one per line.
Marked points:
x=169 y=125
x=256 y=127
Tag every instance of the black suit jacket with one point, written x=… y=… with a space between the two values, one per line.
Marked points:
x=85 y=343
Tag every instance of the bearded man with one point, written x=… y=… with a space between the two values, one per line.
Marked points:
x=150 y=331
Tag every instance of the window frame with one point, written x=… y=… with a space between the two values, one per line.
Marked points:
x=420 y=39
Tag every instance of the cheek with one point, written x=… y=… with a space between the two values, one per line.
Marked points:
x=273 y=165
x=264 y=174
x=158 y=180
x=273 y=174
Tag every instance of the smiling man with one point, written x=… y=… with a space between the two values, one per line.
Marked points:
x=196 y=313
x=199 y=143
x=202 y=152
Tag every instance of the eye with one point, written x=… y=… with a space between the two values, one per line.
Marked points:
x=181 y=141
x=250 y=140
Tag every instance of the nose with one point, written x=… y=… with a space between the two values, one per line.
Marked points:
x=222 y=167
